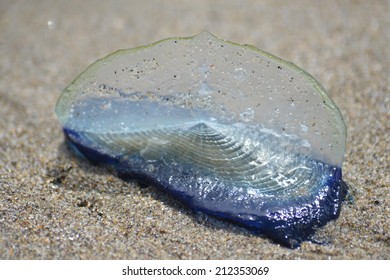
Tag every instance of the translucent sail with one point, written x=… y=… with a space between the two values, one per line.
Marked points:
x=226 y=128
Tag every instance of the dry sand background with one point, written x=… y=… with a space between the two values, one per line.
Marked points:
x=55 y=206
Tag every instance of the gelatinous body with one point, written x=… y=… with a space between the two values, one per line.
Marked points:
x=227 y=129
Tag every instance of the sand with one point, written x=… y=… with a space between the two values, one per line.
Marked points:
x=56 y=206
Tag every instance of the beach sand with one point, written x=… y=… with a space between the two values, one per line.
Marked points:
x=56 y=206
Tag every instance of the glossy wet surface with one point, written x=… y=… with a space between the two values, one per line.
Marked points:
x=53 y=205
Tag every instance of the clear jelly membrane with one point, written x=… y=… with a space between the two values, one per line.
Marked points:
x=227 y=129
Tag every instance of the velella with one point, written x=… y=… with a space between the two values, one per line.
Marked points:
x=226 y=129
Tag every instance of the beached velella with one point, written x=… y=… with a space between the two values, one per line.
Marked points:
x=225 y=128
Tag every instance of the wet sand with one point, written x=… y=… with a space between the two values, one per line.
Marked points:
x=56 y=206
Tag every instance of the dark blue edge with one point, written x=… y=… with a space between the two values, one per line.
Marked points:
x=284 y=227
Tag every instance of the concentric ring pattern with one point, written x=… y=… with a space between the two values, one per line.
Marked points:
x=262 y=148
